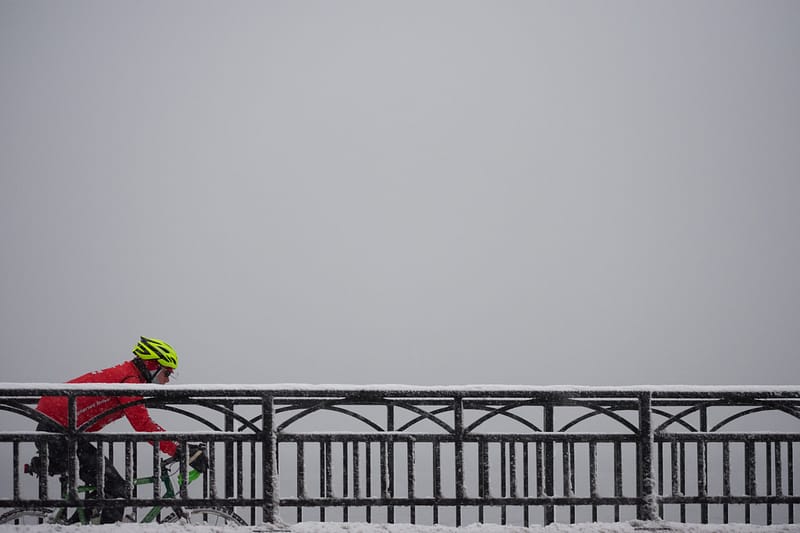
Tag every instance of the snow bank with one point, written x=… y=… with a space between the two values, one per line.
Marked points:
x=634 y=526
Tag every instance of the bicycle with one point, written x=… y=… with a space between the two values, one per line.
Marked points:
x=171 y=480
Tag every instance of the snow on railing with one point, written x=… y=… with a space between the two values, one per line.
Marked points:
x=392 y=453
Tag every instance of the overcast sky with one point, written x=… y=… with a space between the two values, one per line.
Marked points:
x=421 y=192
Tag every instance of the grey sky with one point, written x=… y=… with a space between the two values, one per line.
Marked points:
x=403 y=192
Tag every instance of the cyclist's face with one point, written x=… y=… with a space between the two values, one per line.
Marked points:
x=162 y=376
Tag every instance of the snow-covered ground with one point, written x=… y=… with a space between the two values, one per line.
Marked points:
x=633 y=526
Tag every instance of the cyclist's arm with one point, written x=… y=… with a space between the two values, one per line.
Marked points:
x=139 y=417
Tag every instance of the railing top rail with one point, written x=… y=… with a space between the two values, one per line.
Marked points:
x=401 y=391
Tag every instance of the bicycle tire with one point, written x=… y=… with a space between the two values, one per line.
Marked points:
x=41 y=516
x=203 y=516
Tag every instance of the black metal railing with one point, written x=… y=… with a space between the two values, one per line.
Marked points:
x=438 y=455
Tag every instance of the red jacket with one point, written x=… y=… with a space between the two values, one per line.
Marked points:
x=89 y=407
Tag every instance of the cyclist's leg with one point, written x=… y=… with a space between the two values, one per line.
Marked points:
x=56 y=451
x=115 y=488
x=57 y=458
x=113 y=481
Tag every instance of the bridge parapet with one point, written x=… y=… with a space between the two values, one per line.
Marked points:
x=438 y=454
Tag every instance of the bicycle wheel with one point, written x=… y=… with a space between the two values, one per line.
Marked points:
x=28 y=517
x=212 y=516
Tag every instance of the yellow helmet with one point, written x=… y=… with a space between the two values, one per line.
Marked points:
x=162 y=352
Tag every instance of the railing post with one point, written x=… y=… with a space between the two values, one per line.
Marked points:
x=390 y=461
x=549 y=464
x=458 y=422
x=647 y=508
x=72 y=447
x=269 y=446
x=702 y=465
x=229 y=457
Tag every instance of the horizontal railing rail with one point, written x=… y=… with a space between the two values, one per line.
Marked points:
x=430 y=454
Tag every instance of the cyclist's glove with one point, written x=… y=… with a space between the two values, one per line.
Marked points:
x=197 y=457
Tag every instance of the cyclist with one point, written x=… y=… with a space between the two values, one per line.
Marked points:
x=154 y=363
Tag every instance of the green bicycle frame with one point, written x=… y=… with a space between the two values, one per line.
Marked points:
x=62 y=512
x=169 y=491
x=152 y=514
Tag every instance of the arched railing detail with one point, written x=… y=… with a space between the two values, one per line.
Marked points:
x=188 y=414
x=503 y=411
x=24 y=411
x=680 y=416
x=788 y=409
x=424 y=415
x=598 y=410
x=679 y=421
x=229 y=414
x=325 y=406
x=452 y=455
x=153 y=403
